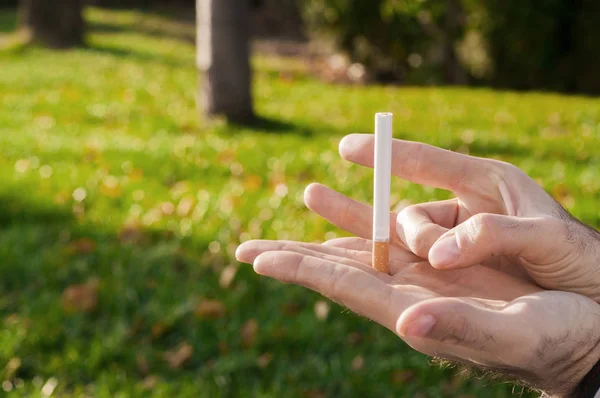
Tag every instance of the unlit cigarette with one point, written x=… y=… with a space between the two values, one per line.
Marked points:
x=381 y=205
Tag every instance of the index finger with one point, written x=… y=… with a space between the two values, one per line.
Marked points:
x=425 y=164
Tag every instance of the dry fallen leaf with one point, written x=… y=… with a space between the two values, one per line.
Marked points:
x=290 y=308
x=158 y=329
x=11 y=367
x=130 y=233
x=315 y=394
x=227 y=276
x=82 y=246
x=223 y=347
x=110 y=187
x=353 y=338
x=403 y=376
x=167 y=208
x=358 y=362
x=210 y=309
x=81 y=298
x=186 y=206
x=252 y=183
x=248 y=333
x=149 y=382
x=179 y=356
x=142 y=364
x=322 y=309
x=264 y=360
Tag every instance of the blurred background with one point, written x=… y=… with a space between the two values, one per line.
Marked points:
x=142 y=141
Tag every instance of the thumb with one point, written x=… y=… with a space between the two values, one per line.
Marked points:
x=461 y=327
x=486 y=235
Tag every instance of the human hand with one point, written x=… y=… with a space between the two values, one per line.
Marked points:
x=500 y=218
x=480 y=316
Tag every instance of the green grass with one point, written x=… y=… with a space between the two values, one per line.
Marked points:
x=118 y=122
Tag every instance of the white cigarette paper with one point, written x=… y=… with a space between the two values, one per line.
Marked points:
x=383 y=175
x=381 y=205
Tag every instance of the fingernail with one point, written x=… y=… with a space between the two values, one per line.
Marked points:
x=445 y=252
x=344 y=146
x=420 y=327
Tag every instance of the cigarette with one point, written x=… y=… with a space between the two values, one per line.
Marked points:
x=381 y=205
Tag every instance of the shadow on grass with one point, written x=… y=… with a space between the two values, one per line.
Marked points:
x=16 y=211
x=269 y=125
x=8 y=20
x=143 y=29
x=137 y=56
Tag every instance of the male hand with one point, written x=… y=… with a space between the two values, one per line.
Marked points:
x=481 y=316
x=500 y=218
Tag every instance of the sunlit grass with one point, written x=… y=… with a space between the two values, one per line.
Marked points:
x=108 y=175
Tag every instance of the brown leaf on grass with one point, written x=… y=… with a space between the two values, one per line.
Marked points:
x=210 y=309
x=11 y=367
x=226 y=156
x=158 y=330
x=403 y=376
x=167 y=208
x=290 y=308
x=61 y=198
x=252 y=183
x=248 y=333
x=322 y=310
x=130 y=233
x=264 y=360
x=142 y=364
x=223 y=347
x=314 y=394
x=136 y=174
x=358 y=363
x=177 y=357
x=354 y=338
x=227 y=276
x=81 y=298
x=110 y=187
x=186 y=206
x=149 y=382
x=82 y=246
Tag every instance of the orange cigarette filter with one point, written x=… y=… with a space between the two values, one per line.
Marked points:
x=381 y=256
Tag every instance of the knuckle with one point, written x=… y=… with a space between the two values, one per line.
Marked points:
x=420 y=244
x=412 y=232
x=460 y=332
x=478 y=229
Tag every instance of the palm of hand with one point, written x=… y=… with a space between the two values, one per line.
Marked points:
x=476 y=315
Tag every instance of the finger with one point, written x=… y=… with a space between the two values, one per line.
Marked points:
x=425 y=164
x=351 y=243
x=420 y=226
x=399 y=256
x=345 y=213
x=487 y=235
x=248 y=252
x=360 y=291
x=485 y=329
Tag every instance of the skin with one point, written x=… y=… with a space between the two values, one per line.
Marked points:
x=500 y=218
x=492 y=316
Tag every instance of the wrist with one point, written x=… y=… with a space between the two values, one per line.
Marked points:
x=589 y=387
x=579 y=379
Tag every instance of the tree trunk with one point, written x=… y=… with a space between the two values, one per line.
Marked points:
x=223 y=57
x=453 y=70
x=56 y=23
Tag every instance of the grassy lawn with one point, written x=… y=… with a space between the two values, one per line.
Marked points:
x=120 y=213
